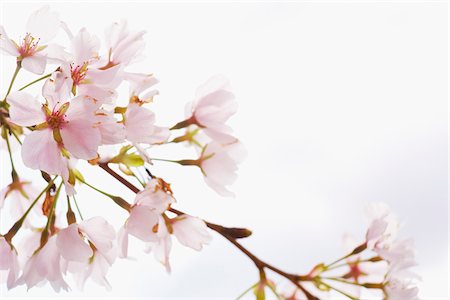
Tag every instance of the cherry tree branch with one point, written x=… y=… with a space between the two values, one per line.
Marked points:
x=231 y=234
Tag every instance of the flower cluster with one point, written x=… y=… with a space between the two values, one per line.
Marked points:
x=79 y=115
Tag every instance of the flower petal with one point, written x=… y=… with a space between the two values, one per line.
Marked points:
x=71 y=245
x=41 y=152
x=25 y=110
x=99 y=232
x=35 y=63
x=43 y=24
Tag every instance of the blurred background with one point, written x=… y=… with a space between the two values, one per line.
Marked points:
x=341 y=104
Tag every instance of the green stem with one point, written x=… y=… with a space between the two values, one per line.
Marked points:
x=246 y=291
x=15 y=228
x=78 y=209
x=18 y=67
x=184 y=162
x=373 y=259
x=14 y=175
x=35 y=81
x=339 y=291
x=17 y=138
x=118 y=200
x=357 y=250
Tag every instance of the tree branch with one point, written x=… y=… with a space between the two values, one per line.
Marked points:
x=231 y=234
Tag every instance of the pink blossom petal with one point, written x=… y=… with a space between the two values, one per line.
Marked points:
x=191 y=232
x=43 y=24
x=99 y=232
x=6 y=44
x=35 y=63
x=141 y=222
x=25 y=110
x=41 y=152
x=71 y=245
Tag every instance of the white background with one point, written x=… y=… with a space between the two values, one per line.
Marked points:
x=341 y=104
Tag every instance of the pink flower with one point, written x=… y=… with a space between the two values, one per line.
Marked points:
x=19 y=195
x=150 y=203
x=219 y=165
x=214 y=104
x=111 y=130
x=85 y=73
x=44 y=265
x=191 y=232
x=33 y=51
x=383 y=227
x=87 y=249
x=140 y=85
x=9 y=264
x=63 y=129
x=397 y=286
x=124 y=46
x=139 y=126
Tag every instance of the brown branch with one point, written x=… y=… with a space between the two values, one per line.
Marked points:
x=231 y=234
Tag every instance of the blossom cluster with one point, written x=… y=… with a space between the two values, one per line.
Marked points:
x=79 y=115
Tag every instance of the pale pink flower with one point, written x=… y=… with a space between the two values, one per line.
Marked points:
x=85 y=73
x=162 y=246
x=18 y=197
x=88 y=250
x=44 y=265
x=384 y=225
x=33 y=49
x=150 y=203
x=140 y=85
x=63 y=129
x=219 y=165
x=397 y=286
x=9 y=264
x=191 y=232
x=123 y=45
x=214 y=104
x=140 y=126
x=111 y=130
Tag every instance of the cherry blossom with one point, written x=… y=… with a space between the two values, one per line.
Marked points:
x=214 y=104
x=88 y=250
x=85 y=71
x=123 y=45
x=33 y=50
x=9 y=264
x=44 y=266
x=18 y=196
x=62 y=129
x=219 y=165
x=140 y=128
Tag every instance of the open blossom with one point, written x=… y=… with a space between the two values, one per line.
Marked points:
x=214 y=104
x=190 y=231
x=62 y=129
x=87 y=250
x=9 y=264
x=399 y=286
x=44 y=266
x=219 y=165
x=33 y=49
x=149 y=204
x=140 y=87
x=140 y=128
x=18 y=196
x=123 y=45
x=85 y=70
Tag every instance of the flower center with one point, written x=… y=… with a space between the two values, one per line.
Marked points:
x=78 y=73
x=29 y=46
x=55 y=120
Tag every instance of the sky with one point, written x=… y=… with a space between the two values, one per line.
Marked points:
x=340 y=104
